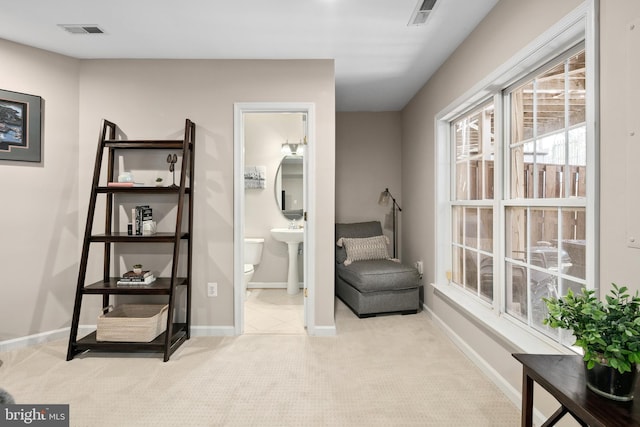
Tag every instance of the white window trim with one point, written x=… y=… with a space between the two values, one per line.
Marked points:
x=577 y=26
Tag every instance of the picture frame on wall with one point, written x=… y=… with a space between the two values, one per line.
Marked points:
x=20 y=126
x=255 y=177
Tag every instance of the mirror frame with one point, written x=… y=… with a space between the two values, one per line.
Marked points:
x=278 y=197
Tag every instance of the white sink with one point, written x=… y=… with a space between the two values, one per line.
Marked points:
x=292 y=237
x=288 y=235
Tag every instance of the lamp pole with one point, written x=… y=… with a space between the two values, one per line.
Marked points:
x=395 y=227
x=384 y=200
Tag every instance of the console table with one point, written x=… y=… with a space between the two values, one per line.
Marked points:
x=563 y=377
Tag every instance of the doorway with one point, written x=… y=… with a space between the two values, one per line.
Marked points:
x=266 y=196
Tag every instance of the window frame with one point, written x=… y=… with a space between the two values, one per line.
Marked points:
x=577 y=27
x=530 y=204
x=478 y=203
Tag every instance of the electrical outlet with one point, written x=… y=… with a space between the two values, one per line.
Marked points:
x=212 y=289
x=419 y=266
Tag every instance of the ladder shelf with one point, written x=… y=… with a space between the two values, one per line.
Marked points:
x=176 y=332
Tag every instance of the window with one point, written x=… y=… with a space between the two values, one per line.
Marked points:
x=472 y=208
x=518 y=196
x=545 y=208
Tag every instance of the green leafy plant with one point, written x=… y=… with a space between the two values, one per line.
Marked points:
x=608 y=331
x=137 y=266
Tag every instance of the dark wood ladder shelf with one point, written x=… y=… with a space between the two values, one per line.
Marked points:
x=176 y=332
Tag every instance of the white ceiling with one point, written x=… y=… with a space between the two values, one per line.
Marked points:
x=380 y=61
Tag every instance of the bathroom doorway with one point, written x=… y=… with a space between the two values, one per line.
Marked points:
x=272 y=191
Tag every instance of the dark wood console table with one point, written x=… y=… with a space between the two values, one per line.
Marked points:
x=563 y=377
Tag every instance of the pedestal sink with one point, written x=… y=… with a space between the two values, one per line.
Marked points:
x=292 y=237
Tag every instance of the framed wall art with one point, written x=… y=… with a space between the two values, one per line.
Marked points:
x=20 y=126
x=255 y=177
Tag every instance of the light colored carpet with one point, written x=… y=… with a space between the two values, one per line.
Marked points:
x=384 y=371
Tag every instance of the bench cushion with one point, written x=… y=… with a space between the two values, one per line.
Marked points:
x=378 y=275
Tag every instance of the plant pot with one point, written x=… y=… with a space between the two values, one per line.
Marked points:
x=137 y=270
x=610 y=383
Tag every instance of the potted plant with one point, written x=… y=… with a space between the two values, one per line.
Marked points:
x=137 y=268
x=158 y=182
x=608 y=332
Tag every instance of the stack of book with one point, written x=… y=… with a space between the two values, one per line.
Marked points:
x=136 y=279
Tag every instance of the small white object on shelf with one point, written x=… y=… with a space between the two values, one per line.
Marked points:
x=125 y=177
x=148 y=228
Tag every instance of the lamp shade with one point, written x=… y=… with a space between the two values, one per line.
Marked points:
x=383 y=200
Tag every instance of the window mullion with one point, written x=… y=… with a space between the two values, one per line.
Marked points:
x=534 y=118
x=567 y=124
x=501 y=187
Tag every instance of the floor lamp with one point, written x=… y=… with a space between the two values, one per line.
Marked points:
x=384 y=201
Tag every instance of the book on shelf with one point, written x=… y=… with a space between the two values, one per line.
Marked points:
x=128 y=282
x=146 y=213
x=139 y=215
x=131 y=275
x=134 y=220
x=125 y=184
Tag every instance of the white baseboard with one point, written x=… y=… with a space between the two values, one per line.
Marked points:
x=63 y=333
x=322 y=331
x=270 y=285
x=212 y=331
x=513 y=394
x=35 y=339
x=506 y=387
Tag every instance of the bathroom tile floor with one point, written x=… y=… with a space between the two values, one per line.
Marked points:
x=273 y=311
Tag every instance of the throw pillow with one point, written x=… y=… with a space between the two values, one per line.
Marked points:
x=366 y=248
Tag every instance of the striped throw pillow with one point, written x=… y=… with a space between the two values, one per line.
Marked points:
x=366 y=248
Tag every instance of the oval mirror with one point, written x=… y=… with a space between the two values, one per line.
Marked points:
x=289 y=187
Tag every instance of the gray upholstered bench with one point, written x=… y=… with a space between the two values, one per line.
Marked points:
x=373 y=286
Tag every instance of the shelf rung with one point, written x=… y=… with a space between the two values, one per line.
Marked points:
x=89 y=342
x=161 y=286
x=144 y=144
x=142 y=190
x=124 y=237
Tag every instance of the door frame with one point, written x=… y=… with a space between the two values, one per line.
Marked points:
x=239 y=109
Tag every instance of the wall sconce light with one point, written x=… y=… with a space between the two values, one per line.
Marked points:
x=294 y=149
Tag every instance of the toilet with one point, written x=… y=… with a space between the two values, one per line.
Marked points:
x=252 y=256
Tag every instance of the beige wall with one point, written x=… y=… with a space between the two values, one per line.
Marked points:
x=39 y=217
x=368 y=151
x=147 y=99
x=154 y=96
x=619 y=115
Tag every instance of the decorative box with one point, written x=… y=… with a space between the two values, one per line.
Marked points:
x=132 y=323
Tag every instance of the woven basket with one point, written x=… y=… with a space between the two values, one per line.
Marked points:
x=132 y=323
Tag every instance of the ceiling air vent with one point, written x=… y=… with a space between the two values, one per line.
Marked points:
x=82 y=29
x=421 y=12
